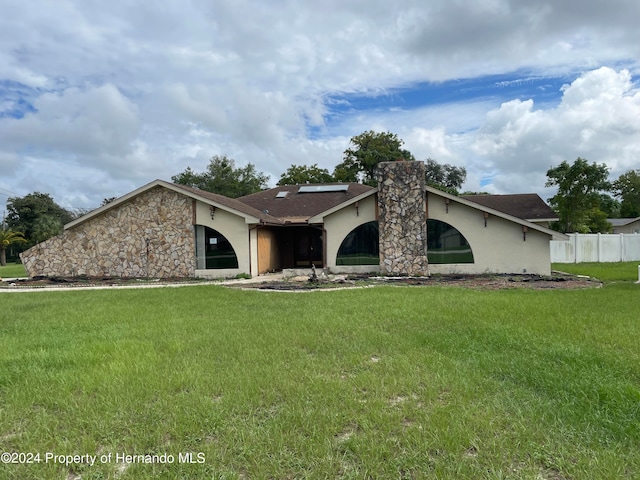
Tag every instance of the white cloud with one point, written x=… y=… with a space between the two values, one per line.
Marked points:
x=125 y=92
x=77 y=122
x=597 y=119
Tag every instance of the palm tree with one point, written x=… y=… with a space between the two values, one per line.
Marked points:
x=9 y=237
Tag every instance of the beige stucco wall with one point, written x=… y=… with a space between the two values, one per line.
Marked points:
x=339 y=224
x=236 y=231
x=497 y=248
x=633 y=227
x=151 y=235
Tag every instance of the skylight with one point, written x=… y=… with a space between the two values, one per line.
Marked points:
x=282 y=194
x=323 y=188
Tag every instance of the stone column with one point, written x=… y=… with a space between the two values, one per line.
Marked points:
x=402 y=218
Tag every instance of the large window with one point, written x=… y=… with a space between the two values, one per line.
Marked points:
x=213 y=250
x=445 y=244
x=360 y=246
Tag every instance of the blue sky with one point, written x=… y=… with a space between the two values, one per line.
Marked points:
x=546 y=92
x=16 y=99
x=492 y=88
x=99 y=99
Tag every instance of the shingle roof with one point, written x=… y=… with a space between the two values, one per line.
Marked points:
x=297 y=207
x=528 y=206
x=621 y=222
x=233 y=203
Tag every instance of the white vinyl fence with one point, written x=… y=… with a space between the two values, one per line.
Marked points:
x=596 y=247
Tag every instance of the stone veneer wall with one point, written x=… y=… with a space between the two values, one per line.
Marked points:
x=402 y=218
x=151 y=235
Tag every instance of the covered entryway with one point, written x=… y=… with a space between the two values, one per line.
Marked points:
x=289 y=247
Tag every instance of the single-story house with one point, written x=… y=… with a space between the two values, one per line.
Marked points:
x=625 y=225
x=402 y=227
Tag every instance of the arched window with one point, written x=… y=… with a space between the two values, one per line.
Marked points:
x=360 y=246
x=213 y=250
x=445 y=244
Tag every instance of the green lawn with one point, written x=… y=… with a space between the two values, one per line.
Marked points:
x=12 y=270
x=607 y=272
x=384 y=382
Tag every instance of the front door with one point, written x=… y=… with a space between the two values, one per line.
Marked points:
x=308 y=247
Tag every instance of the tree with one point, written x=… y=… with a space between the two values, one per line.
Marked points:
x=224 y=178
x=8 y=238
x=365 y=152
x=446 y=177
x=597 y=221
x=45 y=227
x=577 y=202
x=627 y=188
x=298 y=174
x=37 y=216
x=610 y=206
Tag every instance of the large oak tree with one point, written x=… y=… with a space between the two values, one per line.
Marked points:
x=37 y=216
x=444 y=176
x=364 y=153
x=627 y=188
x=577 y=202
x=223 y=177
x=298 y=174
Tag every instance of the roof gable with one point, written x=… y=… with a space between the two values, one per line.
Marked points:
x=498 y=213
x=291 y=204
x=251 y=215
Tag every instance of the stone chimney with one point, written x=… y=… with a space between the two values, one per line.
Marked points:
x=402 y=218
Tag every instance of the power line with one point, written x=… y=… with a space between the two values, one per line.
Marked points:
x=9 y=192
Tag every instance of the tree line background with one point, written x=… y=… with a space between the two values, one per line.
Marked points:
x=585 y=197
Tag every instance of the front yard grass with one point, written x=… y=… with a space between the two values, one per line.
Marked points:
x=12 y=270
x=606 y=272
x=385 y=382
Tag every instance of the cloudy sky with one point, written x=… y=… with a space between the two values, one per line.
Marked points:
x=98 y=98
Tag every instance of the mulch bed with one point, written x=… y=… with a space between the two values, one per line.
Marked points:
x=44 y=282
x=484 y=282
